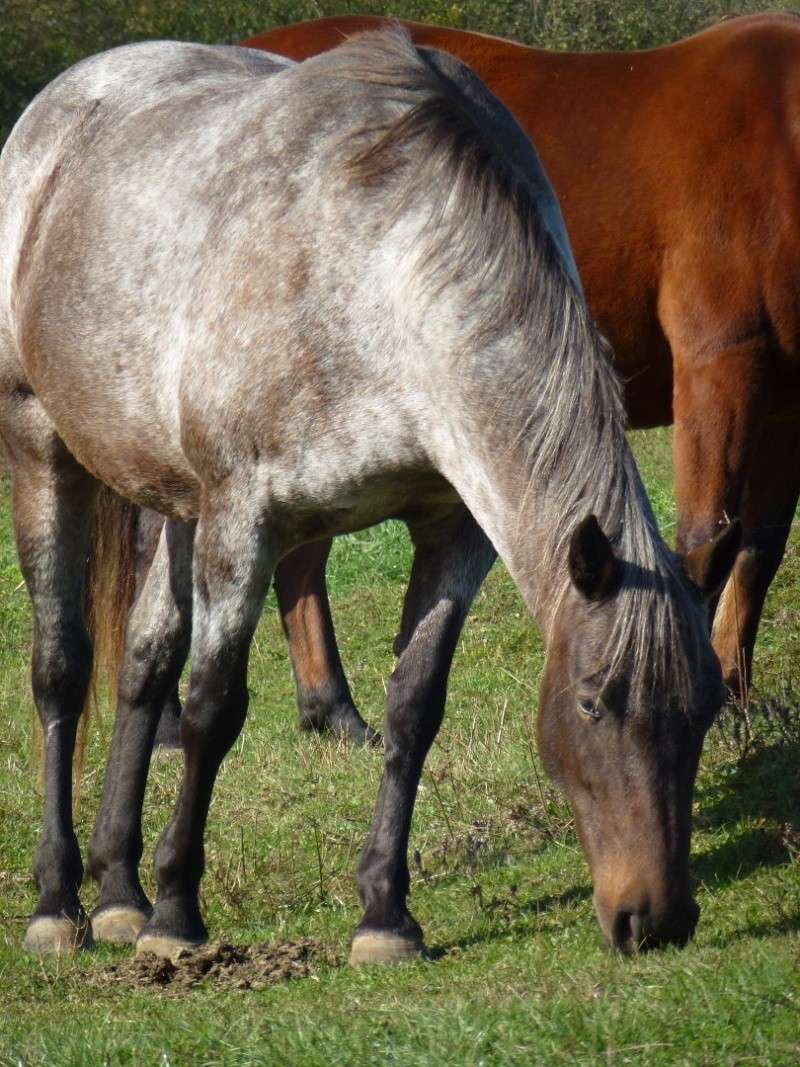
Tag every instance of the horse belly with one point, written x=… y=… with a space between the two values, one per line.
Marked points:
x=413 y=496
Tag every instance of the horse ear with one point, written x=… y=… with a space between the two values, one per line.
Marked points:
x=594 y=569
x=709 y=565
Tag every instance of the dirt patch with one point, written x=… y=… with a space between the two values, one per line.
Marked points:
x=225 y=966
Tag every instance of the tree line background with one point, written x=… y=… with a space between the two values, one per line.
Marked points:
x=40 y=38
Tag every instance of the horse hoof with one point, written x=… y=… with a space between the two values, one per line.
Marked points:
x=118 y=923
x=349 y=724
x=384 y=948
x=48 y=935
x=163 y=945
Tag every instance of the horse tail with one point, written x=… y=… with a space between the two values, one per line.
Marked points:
x=109 y=593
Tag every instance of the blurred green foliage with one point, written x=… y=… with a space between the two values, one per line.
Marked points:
x=40 y=38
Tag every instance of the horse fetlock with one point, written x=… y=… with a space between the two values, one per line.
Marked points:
x=175 y=924
x=58 y=872
x=316 y=705
x=343 y=720
x=329 y=707
x=120 y=886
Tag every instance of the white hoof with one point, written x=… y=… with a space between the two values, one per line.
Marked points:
x=50 y=936
x=163 y=945
x=118 y=924
x=384 y=948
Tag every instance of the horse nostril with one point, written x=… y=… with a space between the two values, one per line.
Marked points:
x=622 y=932
x=646 y=931
x=637 y=930
x=629 y=929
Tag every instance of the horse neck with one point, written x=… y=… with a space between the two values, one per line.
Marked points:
x=512 y=513
x=527 y=505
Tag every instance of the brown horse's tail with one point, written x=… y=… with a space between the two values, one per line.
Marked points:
x=110 y=589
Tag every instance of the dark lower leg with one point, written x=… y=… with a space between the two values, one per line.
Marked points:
x=714 y=442
x=414 y=710
x=212 y=719
x=768 y=506
x=156 y=645
x=450 y=564
x=232 y=566
x=52 y=511
x=58 y=869
x=323 y=695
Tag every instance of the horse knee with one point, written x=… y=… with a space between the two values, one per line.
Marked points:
x=62 y=664
x=215 y=711
x=414 y=709
x=152 y=664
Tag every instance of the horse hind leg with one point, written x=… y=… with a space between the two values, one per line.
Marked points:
x=324 y=699
x=451 y=560
x=767 y=509
x=234 y=557
x=156 y=646
x=732 y=460
x=53 y=499
x=719 y=407
x=323 y=695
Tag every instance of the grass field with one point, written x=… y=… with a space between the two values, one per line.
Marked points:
x=519 y=974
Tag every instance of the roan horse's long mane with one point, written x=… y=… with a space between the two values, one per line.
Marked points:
x=487 y=229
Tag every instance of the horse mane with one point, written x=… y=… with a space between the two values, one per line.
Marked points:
x=450 y=143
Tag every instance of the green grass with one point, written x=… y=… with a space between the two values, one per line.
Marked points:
x=519 y=975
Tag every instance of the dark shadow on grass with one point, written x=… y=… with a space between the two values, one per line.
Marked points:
x=784 y=924
x=739 y=857
x=763 y=786
x=507 y=912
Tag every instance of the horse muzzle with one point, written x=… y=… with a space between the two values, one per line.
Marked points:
x=631 y=925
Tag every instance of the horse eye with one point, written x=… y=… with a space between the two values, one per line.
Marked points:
x=589 y=709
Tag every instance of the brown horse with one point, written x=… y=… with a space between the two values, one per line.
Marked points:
x=346 y=294
x=677 y=170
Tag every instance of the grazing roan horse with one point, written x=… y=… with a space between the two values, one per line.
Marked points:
x=280 y=302
x=677 y=171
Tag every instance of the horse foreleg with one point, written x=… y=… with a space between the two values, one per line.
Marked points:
x=53 y=502
x=156 y=645
x=450 y=563
x=323 y=695
x=234 y=557
x=148 y=536
x=768 y=506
